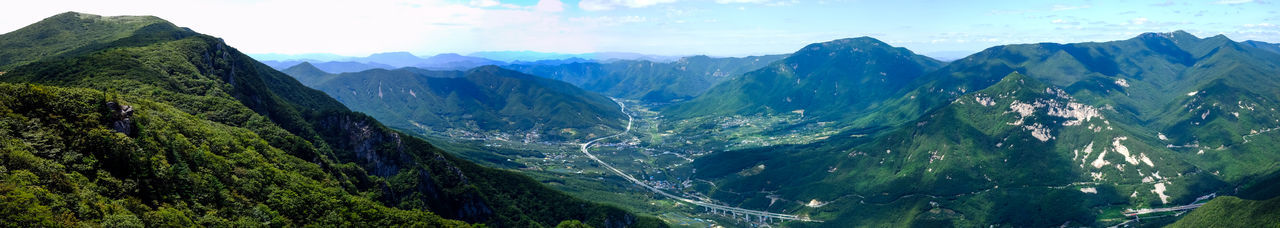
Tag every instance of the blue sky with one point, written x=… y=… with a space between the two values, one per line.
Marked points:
x=668 y=27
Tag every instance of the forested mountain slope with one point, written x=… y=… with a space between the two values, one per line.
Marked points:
x=1035 y=135
x=485 y=102
x=166 y=126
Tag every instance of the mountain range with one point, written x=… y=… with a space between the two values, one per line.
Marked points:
x=134 y=121
x=388 y=61
x=446 y=61
x=648 y=80
x=484 y=102
x=835 y=80
x=1024 y=135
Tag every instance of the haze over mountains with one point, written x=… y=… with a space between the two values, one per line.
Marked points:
x=133 y=120
x=446 y=61
x=158 y=125
x=1160 y=119
x=483 y=102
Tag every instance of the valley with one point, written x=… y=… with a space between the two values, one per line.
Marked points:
x=789 y=162
x=640 y=114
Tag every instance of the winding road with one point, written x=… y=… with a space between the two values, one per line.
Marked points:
x=746 y=213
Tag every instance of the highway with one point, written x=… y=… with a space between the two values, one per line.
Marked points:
x=1158 y=210
x=734 y=211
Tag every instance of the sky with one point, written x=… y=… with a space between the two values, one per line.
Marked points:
x=667 y=27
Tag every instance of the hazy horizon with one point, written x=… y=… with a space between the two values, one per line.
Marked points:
x=726 y=28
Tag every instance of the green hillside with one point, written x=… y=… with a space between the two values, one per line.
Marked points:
x=1262 y=45
x=485 y=102
x=1230 y=211
x=820 y=90
x=306 y=73
x=1031 y=135
x=217 y=139
x=72 y=157
x=70 y=32
x=985 y=158
x=831 y=81
x=647 y=80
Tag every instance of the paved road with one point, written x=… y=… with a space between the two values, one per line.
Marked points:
x=727 y=209
x=1158 y=210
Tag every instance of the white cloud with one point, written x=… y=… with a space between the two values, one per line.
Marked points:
x=549 y=6
x=1139 y=21
x=1232 y=2
x=1260 y=25
x=1064 y=22
x=598 y=5
x=783 y=3
x=607 y=20
x=1067 y=7
x=741 y=1
x=484 y=3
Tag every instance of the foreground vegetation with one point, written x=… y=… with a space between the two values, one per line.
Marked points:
x=171 y=127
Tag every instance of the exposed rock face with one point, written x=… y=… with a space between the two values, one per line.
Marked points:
x=120 y=121
x=385 y=154
x=619 y=222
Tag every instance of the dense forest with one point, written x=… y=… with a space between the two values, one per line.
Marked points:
x=133 y=121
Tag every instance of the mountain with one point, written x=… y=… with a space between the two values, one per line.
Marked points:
x=532 y=56
x=314 y=57
x=484 y=102
x=388 y=61
x=554 y=61
x=1229 y=211
x=948 y=56
x=306 y=73
x=330 y=66
x=1019 y=144
x=837 y=80
x=450 y=61
x=512 y=56
x=281 y=65
x=169 y=127
x=611 y=56
x=349 y=66
x=69 y=33
x=342 y=64
x=647 y=80
x=1034 y=135
x=1262 y=45
x=393 y=59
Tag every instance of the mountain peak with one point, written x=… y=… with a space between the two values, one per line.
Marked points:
x=393 y=54
x=394 y=59
x=1175 y=35
x=71 y=30
x=851 y=42
x=1018 y=78
x=73 y=15
x=448 y=55
x=304 y=66
x=305 y=72
x=490 y=69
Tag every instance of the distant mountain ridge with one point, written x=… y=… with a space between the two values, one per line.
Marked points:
x=647 y=80
x=531 y=56
x=483 y=103
x=836 y=80
x=169 y=127
x=1064 y=132
x=446 y=61
x=1262 y=45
